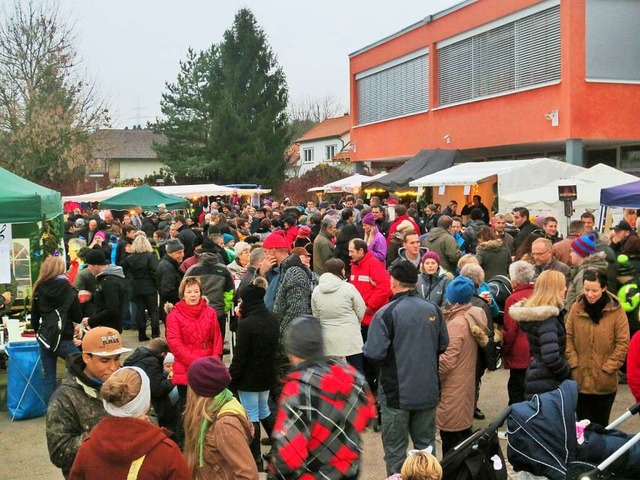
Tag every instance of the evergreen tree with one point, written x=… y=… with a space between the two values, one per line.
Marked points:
x=225 y=117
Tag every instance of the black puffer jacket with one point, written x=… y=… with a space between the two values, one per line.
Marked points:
x=169 y=278
x=141 y=269
x=547 y=337
x=109 y=298
x=57 y=293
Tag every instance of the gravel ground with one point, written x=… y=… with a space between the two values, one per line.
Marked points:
x=24 y=454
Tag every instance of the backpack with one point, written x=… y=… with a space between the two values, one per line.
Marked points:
x=50 y=329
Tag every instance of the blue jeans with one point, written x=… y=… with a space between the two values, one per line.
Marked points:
x=49 y=363
x=256 y=404
x=398 y=425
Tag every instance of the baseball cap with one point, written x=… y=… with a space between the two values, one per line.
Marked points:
x=623 y=225
x=103 y=342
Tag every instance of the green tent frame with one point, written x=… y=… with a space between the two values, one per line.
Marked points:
x=146 y=197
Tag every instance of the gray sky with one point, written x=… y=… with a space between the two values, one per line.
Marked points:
x=132 y=47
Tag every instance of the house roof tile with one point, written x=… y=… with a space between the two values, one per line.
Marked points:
x=130 y=144
x=331 y=127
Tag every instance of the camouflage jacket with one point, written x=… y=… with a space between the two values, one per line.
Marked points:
x=75 y=408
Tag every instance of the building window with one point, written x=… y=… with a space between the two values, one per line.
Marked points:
x=630 y=159
x=331 y=151
x=308 y=155
x=521 y=54
x=398 y=88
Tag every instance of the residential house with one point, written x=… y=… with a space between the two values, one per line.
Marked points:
x=327 y=142
x=125 y=154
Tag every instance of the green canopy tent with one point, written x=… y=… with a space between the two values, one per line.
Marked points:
x=35 y=215
x=146 y=197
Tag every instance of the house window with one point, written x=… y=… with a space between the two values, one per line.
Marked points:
x=331 y=151
x=630 y=159
x=308 y=155
x=398 y=88
x=517 y=55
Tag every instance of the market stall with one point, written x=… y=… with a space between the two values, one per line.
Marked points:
x=493 y=180
x=146 y=197
x=351 y=184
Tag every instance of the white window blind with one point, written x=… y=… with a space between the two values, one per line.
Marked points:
x=520 y=54
x=395 y=91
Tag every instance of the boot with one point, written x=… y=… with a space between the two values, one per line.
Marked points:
x=142 y=334
x=255 y=447
x=268 y=424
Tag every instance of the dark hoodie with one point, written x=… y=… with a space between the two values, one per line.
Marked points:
x=57 y=293
x=160 y=386
x=116 y=442
x=109 y=298
x=75 y=408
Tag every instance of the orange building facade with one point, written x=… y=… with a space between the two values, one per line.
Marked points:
x=504 y=80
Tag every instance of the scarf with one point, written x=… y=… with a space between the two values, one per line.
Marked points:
x=218 y=401
x=595 y=310
x=193 y=311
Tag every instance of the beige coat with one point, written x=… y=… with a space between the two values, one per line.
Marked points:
x=596 y=351
x=467 y=328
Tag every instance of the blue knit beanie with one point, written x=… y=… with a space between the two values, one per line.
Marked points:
x=460 y=290
x=226 y=238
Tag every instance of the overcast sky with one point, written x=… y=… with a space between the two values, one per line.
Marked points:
x=132 y=47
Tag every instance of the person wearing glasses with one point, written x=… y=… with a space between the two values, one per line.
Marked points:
x=542 y=254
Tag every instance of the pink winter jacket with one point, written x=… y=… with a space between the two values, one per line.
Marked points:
x=190 y=338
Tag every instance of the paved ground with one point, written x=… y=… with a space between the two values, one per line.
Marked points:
x=23 y=450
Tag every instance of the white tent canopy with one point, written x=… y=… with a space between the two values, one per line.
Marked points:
x=544 y=200
x=178 y=190
x=348 y=184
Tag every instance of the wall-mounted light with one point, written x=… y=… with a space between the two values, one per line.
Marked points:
x=447 y=139
x=554 y=117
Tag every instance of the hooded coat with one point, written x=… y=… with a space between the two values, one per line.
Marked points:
x=141 y=269
x=109 y=298
x=596 y=351
x=111 y=447
x=467 y=329
x=494 y=258
x=371 y=278
x=340 y=308
x=53 y=294
x=547 y=341
x=74 y=409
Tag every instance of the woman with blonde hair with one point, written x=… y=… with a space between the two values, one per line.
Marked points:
x=125 y=444
x=541 y=318
x=141 y=269
x=217 y=429
x=52 y=292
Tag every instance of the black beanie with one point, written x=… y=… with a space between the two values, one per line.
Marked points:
x=405 y=272
x=304 y=339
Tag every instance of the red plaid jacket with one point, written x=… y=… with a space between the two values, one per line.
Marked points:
x=325 y=405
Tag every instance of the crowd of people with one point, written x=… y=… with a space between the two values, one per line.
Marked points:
x=342 y=316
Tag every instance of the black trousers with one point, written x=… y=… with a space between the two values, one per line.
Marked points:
x=515 y=385
x=150 y=304
x=595 y=408
x=370 y=369
x=451 y=439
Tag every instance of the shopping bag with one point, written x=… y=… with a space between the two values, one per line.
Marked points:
x=25 y=386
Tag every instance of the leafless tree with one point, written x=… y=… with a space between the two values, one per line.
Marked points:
x=316 y=109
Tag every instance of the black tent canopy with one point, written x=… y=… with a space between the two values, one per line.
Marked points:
x=425 y=162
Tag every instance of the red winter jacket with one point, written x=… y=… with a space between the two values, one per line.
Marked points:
x=399 y=220
x=290 y=235
x=515 y=346
x=111 y=447
x=633 y=366
x=191 y=338
x=371 y=278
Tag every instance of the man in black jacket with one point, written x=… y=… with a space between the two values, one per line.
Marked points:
x=110 y=292
x=185 y=235
x=521 y=220
x=170 y=275
x=151 y=359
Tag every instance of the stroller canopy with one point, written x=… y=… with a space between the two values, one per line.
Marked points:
x=542 y=432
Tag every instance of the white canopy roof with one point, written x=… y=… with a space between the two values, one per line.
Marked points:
x=178 y=190
x=348 y=184
x=473 y=173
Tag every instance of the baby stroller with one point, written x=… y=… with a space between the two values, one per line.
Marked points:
x=542 y=440
x=479 y=457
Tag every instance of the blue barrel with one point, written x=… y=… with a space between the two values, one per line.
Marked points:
x=25 y=385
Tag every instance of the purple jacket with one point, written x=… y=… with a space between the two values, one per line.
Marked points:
x=379 y=246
